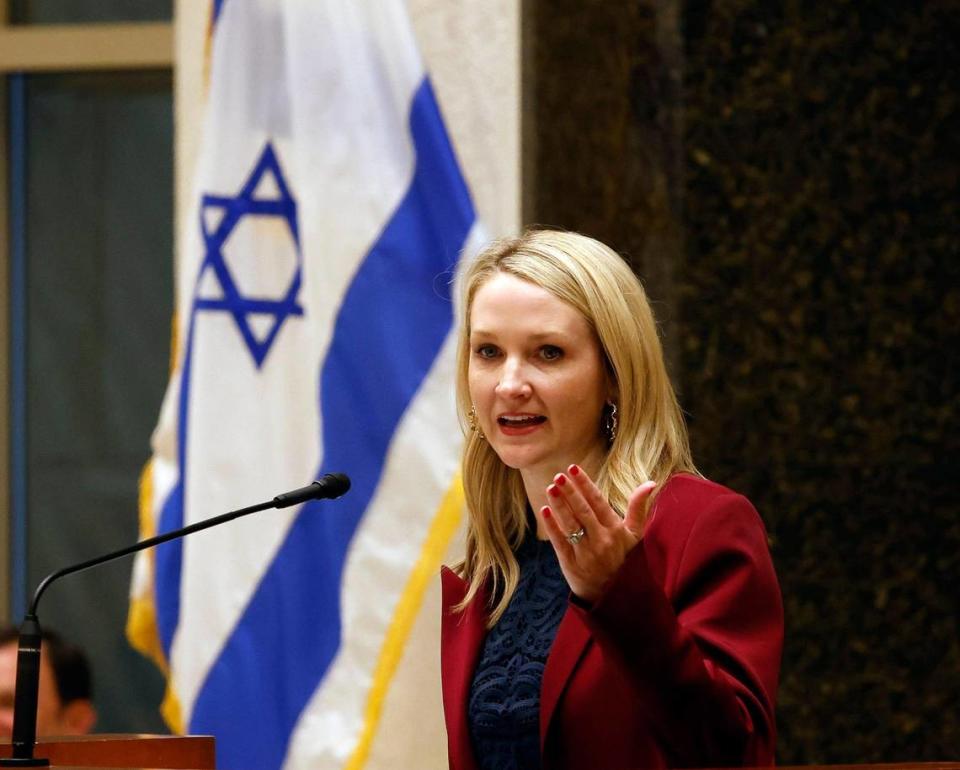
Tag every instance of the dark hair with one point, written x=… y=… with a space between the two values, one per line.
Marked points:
x=71 y=669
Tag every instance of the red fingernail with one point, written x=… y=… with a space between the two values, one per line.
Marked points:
x=546 y=512
x=574 y=470
x=561 y=479
x=553 y=491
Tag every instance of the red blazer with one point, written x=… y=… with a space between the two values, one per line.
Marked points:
x=676 y=665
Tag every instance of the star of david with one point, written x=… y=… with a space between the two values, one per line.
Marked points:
x=228 y=213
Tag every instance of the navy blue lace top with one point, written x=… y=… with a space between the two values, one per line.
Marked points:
x=504 y=704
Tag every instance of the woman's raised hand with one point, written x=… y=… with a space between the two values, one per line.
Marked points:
x=590 y=539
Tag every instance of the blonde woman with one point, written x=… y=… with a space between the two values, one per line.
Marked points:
x=614 y=609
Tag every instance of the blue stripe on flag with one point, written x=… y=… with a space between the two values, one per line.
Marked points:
x=393 y=321
x=169 y=556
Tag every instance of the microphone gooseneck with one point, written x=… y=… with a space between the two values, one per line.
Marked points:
x=331 y=486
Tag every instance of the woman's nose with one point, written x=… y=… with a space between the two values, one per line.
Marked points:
x=513 y=380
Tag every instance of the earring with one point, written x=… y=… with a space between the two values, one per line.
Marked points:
x=610 y=422
x=474 y=425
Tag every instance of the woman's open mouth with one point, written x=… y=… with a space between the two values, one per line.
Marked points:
x=519 y=423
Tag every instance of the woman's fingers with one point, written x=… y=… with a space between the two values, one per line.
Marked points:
x=556 y=534
x=593 y=497
x=571 y=508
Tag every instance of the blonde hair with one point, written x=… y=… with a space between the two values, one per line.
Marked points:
x=651 y=440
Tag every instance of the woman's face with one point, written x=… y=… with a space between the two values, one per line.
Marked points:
x=536 y=377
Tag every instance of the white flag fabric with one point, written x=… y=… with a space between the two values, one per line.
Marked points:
x=315 y=324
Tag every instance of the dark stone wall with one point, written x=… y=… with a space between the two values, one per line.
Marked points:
x=784 y=176
x=602 y=144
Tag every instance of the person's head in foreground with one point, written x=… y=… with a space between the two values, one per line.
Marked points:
x=64 y=698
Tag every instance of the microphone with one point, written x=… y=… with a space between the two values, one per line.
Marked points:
x=331 y=486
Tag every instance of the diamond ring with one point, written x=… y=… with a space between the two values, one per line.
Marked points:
x=576 y=537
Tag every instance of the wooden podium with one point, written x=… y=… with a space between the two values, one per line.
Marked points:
x=133 y=752
x=196 y=752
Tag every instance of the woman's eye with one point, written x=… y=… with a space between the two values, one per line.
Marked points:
x=487 y=351
x=551 y=352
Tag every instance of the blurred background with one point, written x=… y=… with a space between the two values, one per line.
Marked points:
x=782 y=176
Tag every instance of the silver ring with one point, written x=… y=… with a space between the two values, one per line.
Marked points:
x=575 y=537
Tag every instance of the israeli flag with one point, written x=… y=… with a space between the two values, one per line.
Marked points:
x=313 y=335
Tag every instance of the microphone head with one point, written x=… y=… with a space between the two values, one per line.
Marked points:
x=332 y=485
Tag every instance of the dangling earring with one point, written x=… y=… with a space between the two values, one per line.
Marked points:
x=610 y=422
x=474 y=425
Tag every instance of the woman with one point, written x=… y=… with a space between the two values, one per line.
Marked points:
x=614 y=609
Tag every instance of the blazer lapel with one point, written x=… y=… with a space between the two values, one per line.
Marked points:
x=573 y=638
x=461 y=635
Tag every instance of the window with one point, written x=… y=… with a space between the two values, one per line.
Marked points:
x=87 y=245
